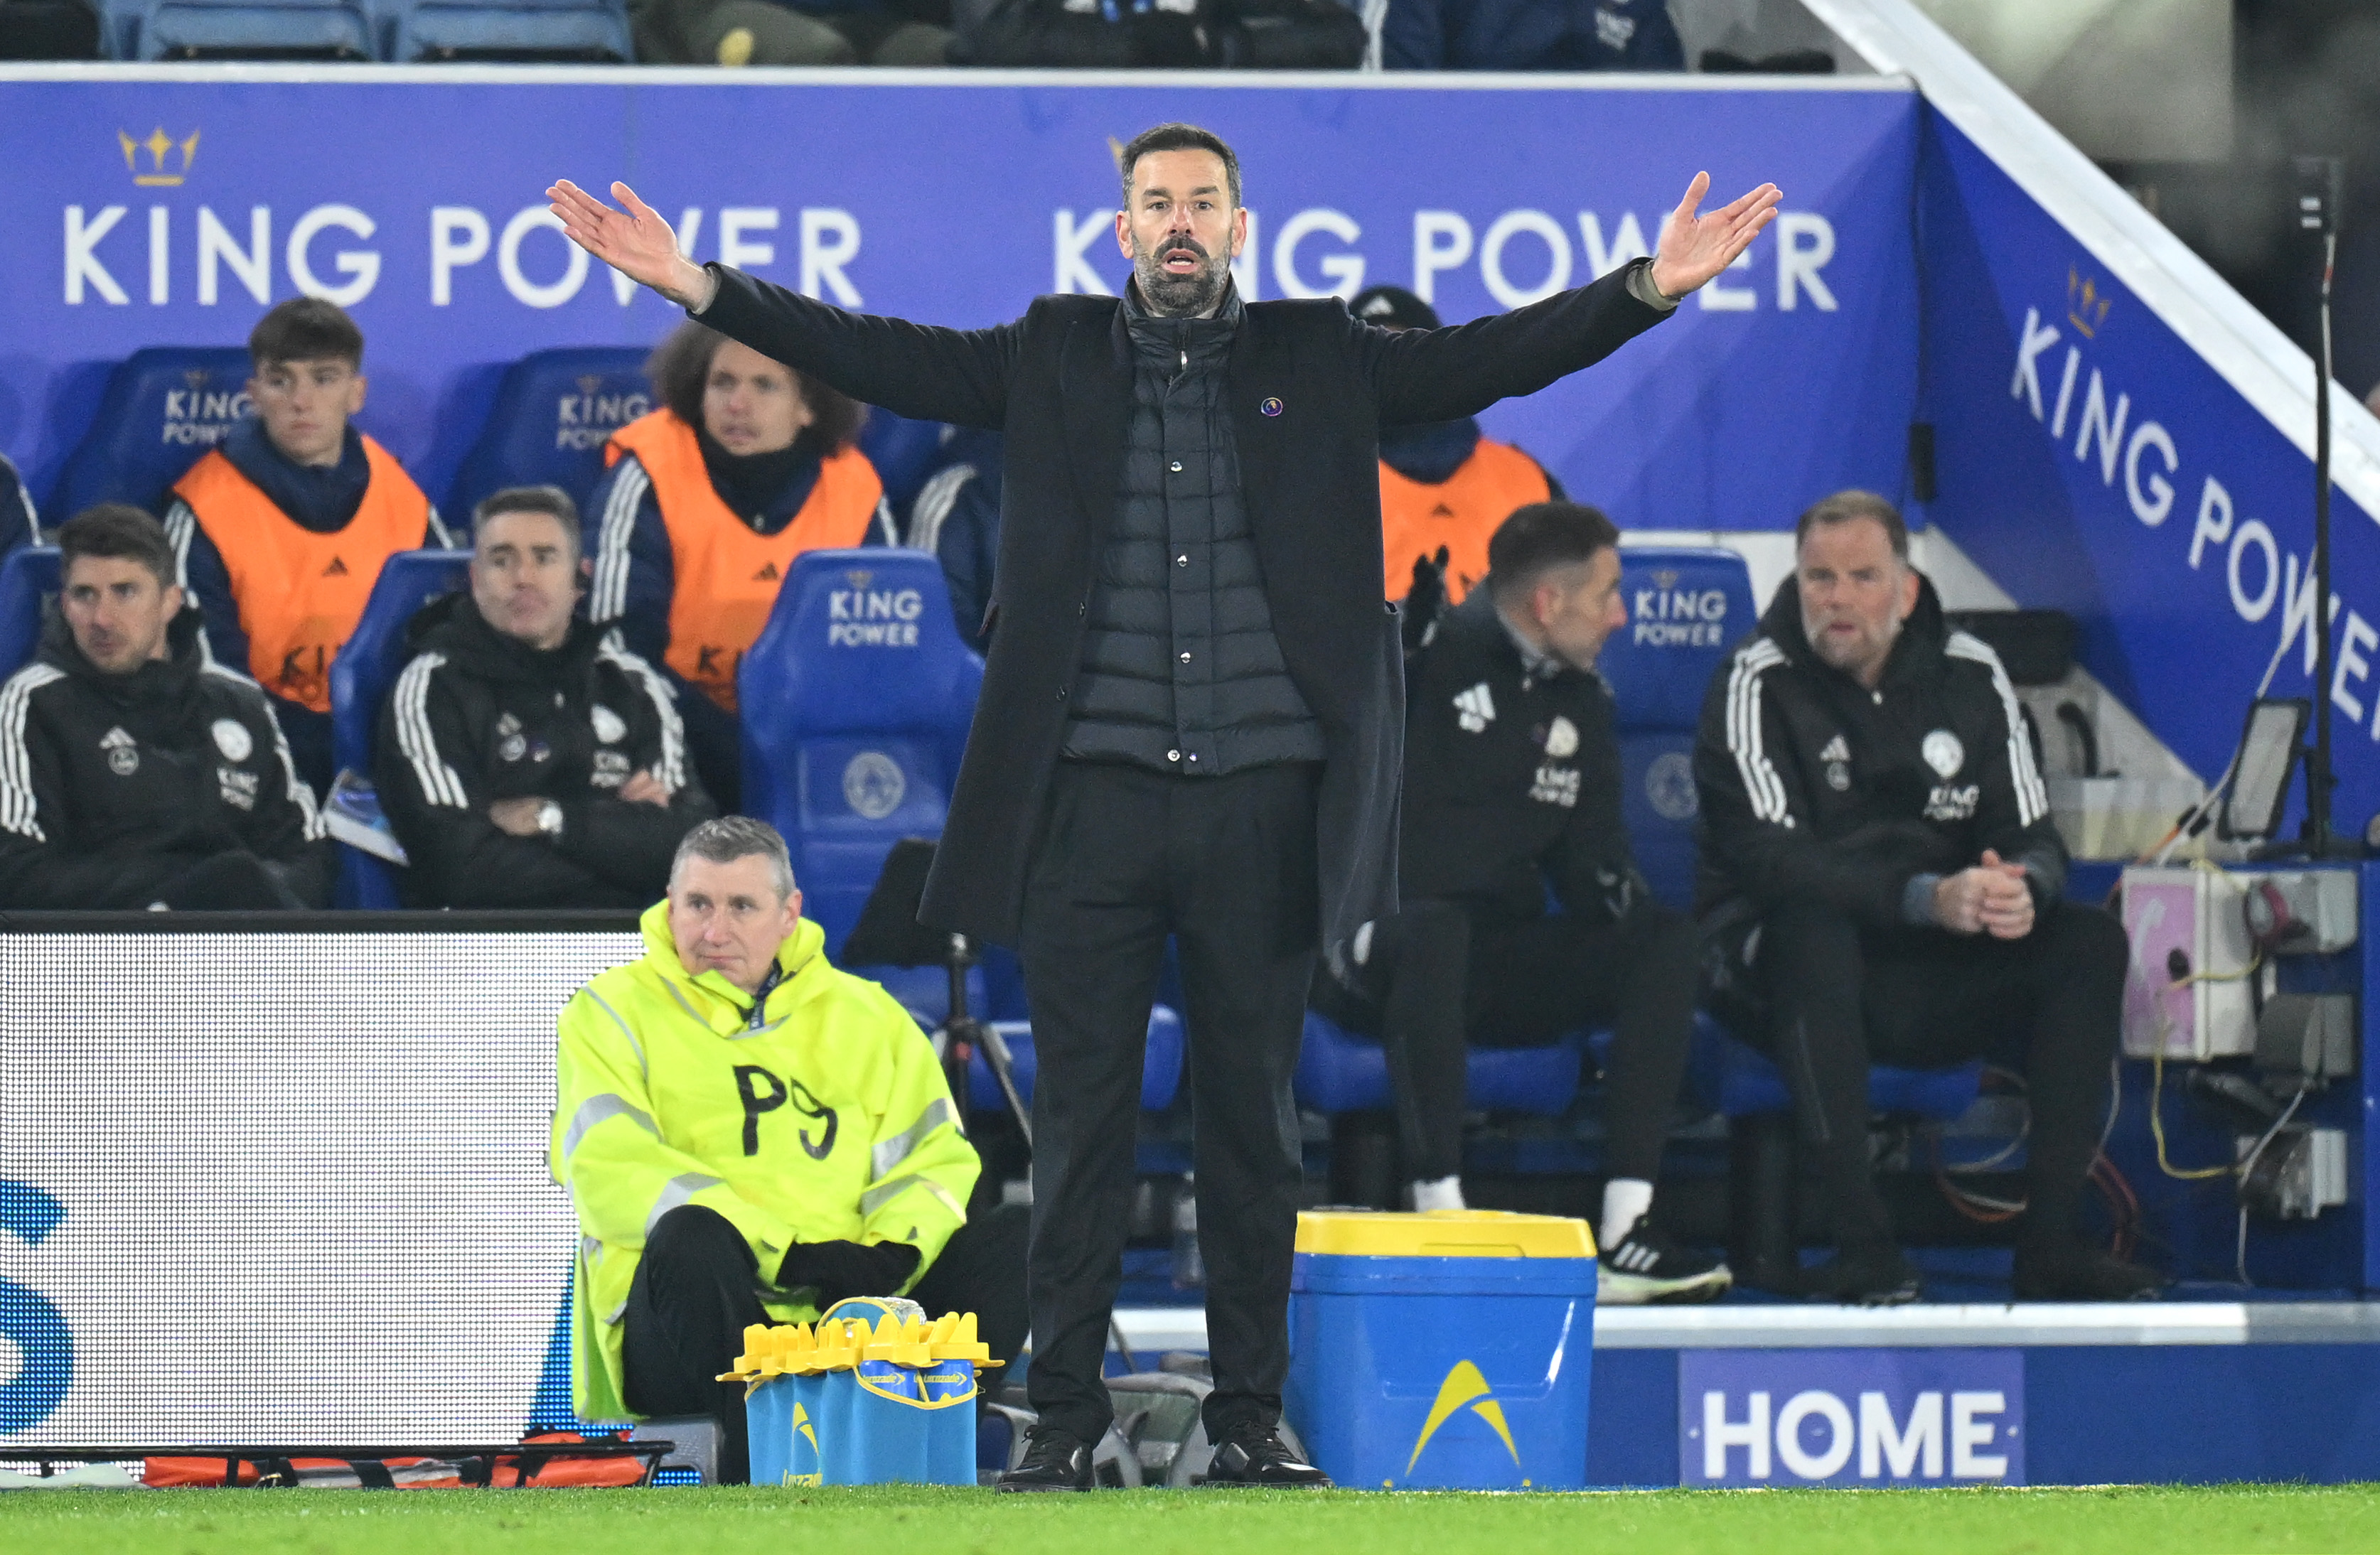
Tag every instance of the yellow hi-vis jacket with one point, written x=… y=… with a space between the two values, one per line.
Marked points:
x=828 y=1121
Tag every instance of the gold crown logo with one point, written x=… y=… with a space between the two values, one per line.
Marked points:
x=2086 y=308
x=196 y=378
x=1665 y=579
x=159 y=174
x=857 y=579
x=589 y=384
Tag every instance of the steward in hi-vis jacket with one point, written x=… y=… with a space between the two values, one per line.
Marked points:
x=812 y=1122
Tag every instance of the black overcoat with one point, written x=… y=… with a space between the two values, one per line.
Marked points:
x=1309 y=388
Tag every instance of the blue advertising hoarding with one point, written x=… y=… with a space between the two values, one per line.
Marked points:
x=2091 y=461
x=173 y=210
x=1850 y=1417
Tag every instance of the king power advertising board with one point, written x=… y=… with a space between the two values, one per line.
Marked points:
x=2092 y=461
x=168 y=211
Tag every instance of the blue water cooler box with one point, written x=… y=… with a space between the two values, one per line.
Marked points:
x=1448 y=1350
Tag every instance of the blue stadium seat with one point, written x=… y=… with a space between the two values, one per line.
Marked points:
x=360 y=678
x=1338 y=1071
x=1160 y=1071
x=552 y=413
x=29 y=580
x=1686 y=607
x=855 y=701
x=1736 y=1081
x=237 y=30
x=162 y=407
x=904 y=451
x=594 y=32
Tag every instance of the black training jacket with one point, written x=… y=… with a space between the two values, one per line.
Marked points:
x=1512 y=778
x=477 y=716
x=111 y=786
x=1815 y=789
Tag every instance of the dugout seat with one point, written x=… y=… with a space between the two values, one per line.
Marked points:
x=1160 y=1069
x=360 y=678
x=904 y=451
x=161 y=408
x=292 y=30
x=552 y=413
x=856 y=700
x=28 y=581
x=545 y=32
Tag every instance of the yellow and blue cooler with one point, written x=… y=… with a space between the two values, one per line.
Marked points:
x=1442 y=1351
x=872 y=1393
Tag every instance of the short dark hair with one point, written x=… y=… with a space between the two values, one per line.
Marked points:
x=1844 y=506
x=680 y=366
x=1177 y=138
x=306 y=329
x=118 y=531
x=550 y=499
x=731 y=837
x=1543 y=536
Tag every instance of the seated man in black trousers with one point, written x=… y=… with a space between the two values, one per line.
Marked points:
x=1881 y=882
x=750 y=1135
x=1512 y=785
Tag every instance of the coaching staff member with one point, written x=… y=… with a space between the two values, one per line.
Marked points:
x=1880 y=872
x=1190 y=721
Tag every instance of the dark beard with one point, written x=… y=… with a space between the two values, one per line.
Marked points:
x=1180 y=296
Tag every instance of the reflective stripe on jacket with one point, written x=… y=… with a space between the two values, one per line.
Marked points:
x=829 y=1120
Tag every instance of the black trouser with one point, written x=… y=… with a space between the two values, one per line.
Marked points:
x=714 y=741
x=1842 y=997
x=1226 y=865
x=1445 y=975
x=695 y=1292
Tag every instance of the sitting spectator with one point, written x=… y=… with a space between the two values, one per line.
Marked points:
x=1512 y=785
x=19 y=524
x=817 y=32
x=135 y=771
x=1443 y=487
x=956 y=516
x=1530 y=35
x=748 y=465
x=281 y=529
x=751 y=1136
x=525 y=759
x=1881 y=882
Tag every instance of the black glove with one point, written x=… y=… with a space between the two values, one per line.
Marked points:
x=1423 y=601
x=840 y=1270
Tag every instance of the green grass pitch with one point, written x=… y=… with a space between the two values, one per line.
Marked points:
x=2244 y=1520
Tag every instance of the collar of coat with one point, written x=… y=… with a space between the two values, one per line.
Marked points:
x=714 y=1001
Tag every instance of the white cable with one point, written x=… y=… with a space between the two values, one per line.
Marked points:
x=2248 y=1164
x=2193 y=817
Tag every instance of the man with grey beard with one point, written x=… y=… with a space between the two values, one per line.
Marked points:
x=1192 y=705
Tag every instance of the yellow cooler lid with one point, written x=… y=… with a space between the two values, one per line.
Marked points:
x=1442 y=1234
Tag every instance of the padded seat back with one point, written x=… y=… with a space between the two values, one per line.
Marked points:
x=552 y=414
x=360 y=677
x=1339 y=1071
x=595 y=31
x=251 y=29
x=28 y=581
x=856 y=700
x=161 y=408
x=904 y=451
x=1687 y=606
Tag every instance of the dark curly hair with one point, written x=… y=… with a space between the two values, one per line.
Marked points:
x=681 y=365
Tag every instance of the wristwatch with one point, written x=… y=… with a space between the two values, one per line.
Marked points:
x=549 y=820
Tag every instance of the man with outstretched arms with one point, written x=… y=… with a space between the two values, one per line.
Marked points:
x=750 y=1135
x=1192 y=710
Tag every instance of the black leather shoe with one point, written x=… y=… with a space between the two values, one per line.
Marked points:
x=1054 y=1460
x=1865 y=1277
x=1258 y=1458
x=2075 y=1272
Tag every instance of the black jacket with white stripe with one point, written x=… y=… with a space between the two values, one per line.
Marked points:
x=113 y=787
x=1815 y=789
x=477 y=717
